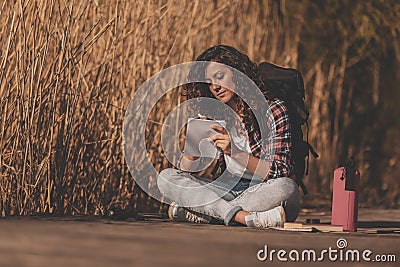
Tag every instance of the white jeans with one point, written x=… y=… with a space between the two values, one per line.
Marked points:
x=222 y=200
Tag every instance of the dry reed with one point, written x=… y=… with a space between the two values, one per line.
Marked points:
x=68 y=70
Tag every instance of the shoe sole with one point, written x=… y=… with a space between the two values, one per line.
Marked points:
x=170 y=210
x=283 y=215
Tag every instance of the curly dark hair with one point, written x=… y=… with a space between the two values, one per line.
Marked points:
x=233 y=58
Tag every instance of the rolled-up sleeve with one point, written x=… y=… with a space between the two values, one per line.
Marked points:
x=277 y=149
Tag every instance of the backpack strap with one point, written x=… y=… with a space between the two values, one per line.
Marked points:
x=302 y=185
x=311 y=150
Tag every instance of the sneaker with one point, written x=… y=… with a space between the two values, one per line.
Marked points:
x=265 y=219
x=180 y=214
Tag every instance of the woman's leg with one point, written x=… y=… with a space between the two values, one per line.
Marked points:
x=268 y=195
x=187 y=189
x=198 y=194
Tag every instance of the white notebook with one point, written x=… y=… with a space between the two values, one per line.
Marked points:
x=197 y=143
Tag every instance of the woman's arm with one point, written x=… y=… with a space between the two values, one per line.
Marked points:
x=189 y=163
x=278 y=148
x=256 y=165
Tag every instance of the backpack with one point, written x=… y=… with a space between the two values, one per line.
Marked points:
x=287 y=85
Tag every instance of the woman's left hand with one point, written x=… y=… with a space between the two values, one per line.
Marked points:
x=222 y=140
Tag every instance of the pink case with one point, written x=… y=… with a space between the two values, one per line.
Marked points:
x=345 y=202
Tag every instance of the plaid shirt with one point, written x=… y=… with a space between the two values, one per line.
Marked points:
x=277 y=147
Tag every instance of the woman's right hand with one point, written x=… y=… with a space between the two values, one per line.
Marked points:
x=191 y=158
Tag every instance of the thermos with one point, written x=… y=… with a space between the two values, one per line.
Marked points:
x=346 y=183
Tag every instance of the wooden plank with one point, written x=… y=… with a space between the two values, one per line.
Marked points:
x=319 y=227
x=293 y=225
x=298 y=229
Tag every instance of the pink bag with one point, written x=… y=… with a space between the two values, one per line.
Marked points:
x=345 y=198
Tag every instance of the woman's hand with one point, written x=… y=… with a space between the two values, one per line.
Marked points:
x=191 y=158
x=222 y=139
x=253 y=164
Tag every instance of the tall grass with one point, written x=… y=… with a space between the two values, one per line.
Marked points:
x=68 y=69
x=67 y=72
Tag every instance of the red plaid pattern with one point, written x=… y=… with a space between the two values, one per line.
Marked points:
x=277 y=146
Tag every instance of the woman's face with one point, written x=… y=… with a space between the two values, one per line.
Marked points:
x=220 y=82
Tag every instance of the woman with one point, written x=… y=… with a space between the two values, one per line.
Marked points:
x=271 y=198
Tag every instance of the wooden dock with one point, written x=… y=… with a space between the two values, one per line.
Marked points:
x=88 y=241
